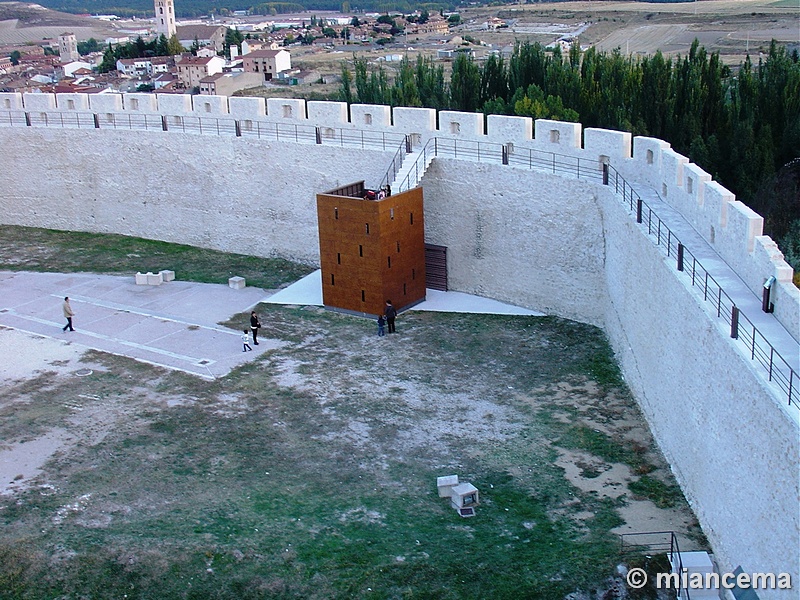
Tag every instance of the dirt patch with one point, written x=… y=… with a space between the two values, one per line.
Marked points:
x=590 y=474
x=639 y=516
x=21 y=461
x=33 y=355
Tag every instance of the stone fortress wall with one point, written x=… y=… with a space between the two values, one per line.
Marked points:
x=734 y=230
x=552 y=243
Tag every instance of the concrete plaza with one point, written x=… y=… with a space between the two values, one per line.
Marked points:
x=174 y=325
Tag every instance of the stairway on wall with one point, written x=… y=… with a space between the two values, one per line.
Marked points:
x=411 y=172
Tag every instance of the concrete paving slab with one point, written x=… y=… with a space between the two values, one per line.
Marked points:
x=174 y=325
x=438 y=301
x=308 y=292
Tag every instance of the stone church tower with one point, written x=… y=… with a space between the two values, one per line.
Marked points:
x=68 y=47
x=165 y=17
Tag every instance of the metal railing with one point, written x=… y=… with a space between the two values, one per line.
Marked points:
x=742 y=328
x=505 y=154
x=270 y=131
x=557 y=164
x=657 y=542
x=418 y=167
x=396 y=164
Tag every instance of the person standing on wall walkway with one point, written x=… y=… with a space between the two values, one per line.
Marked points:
x=68 y=314
x=390 y=313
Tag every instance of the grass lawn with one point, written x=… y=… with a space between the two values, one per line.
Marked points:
x=32 y=249
x=311 y=471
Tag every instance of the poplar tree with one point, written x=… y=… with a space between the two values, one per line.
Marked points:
x=465 y=84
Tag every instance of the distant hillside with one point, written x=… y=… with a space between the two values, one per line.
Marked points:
x=26 y=23
x=37 y=15
x=193 y=8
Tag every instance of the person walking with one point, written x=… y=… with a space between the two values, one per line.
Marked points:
x=68 y=314
x=390 y=313
x=255 y=325
x=246 y=341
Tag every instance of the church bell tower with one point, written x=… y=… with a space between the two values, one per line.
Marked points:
x=165 y=17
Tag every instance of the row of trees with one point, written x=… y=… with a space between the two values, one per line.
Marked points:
x=419 y=84
x=161 y=46
x=198 y=8
x=741 y=126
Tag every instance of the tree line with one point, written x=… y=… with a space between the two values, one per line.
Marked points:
x=742 y=126
x=199 y=8
x=160 y=46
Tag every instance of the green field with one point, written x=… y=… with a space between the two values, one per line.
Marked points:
x=32 y=249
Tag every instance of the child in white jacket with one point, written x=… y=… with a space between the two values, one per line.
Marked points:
x=246 y=341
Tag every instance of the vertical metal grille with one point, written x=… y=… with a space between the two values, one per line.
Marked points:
x=436 y=267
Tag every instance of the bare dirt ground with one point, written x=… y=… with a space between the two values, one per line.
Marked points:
x=730 y=27
x=24 y=23
x=22 y=456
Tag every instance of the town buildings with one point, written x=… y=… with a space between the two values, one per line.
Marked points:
x=212 y=36
x=225 y=84
x=191 y=69
x=268 y=63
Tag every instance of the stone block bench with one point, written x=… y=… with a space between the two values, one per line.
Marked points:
x=154 y=278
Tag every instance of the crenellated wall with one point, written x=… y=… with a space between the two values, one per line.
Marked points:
x=733 y=450
x=552 y=243
x=732 y=229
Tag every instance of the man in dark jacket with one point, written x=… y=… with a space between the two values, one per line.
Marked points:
x=390 y=313
x=255 y=325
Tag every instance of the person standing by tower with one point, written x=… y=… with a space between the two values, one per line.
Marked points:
x=68 y=314
x=381 y=326
x=255 y=325
x=390 y=313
